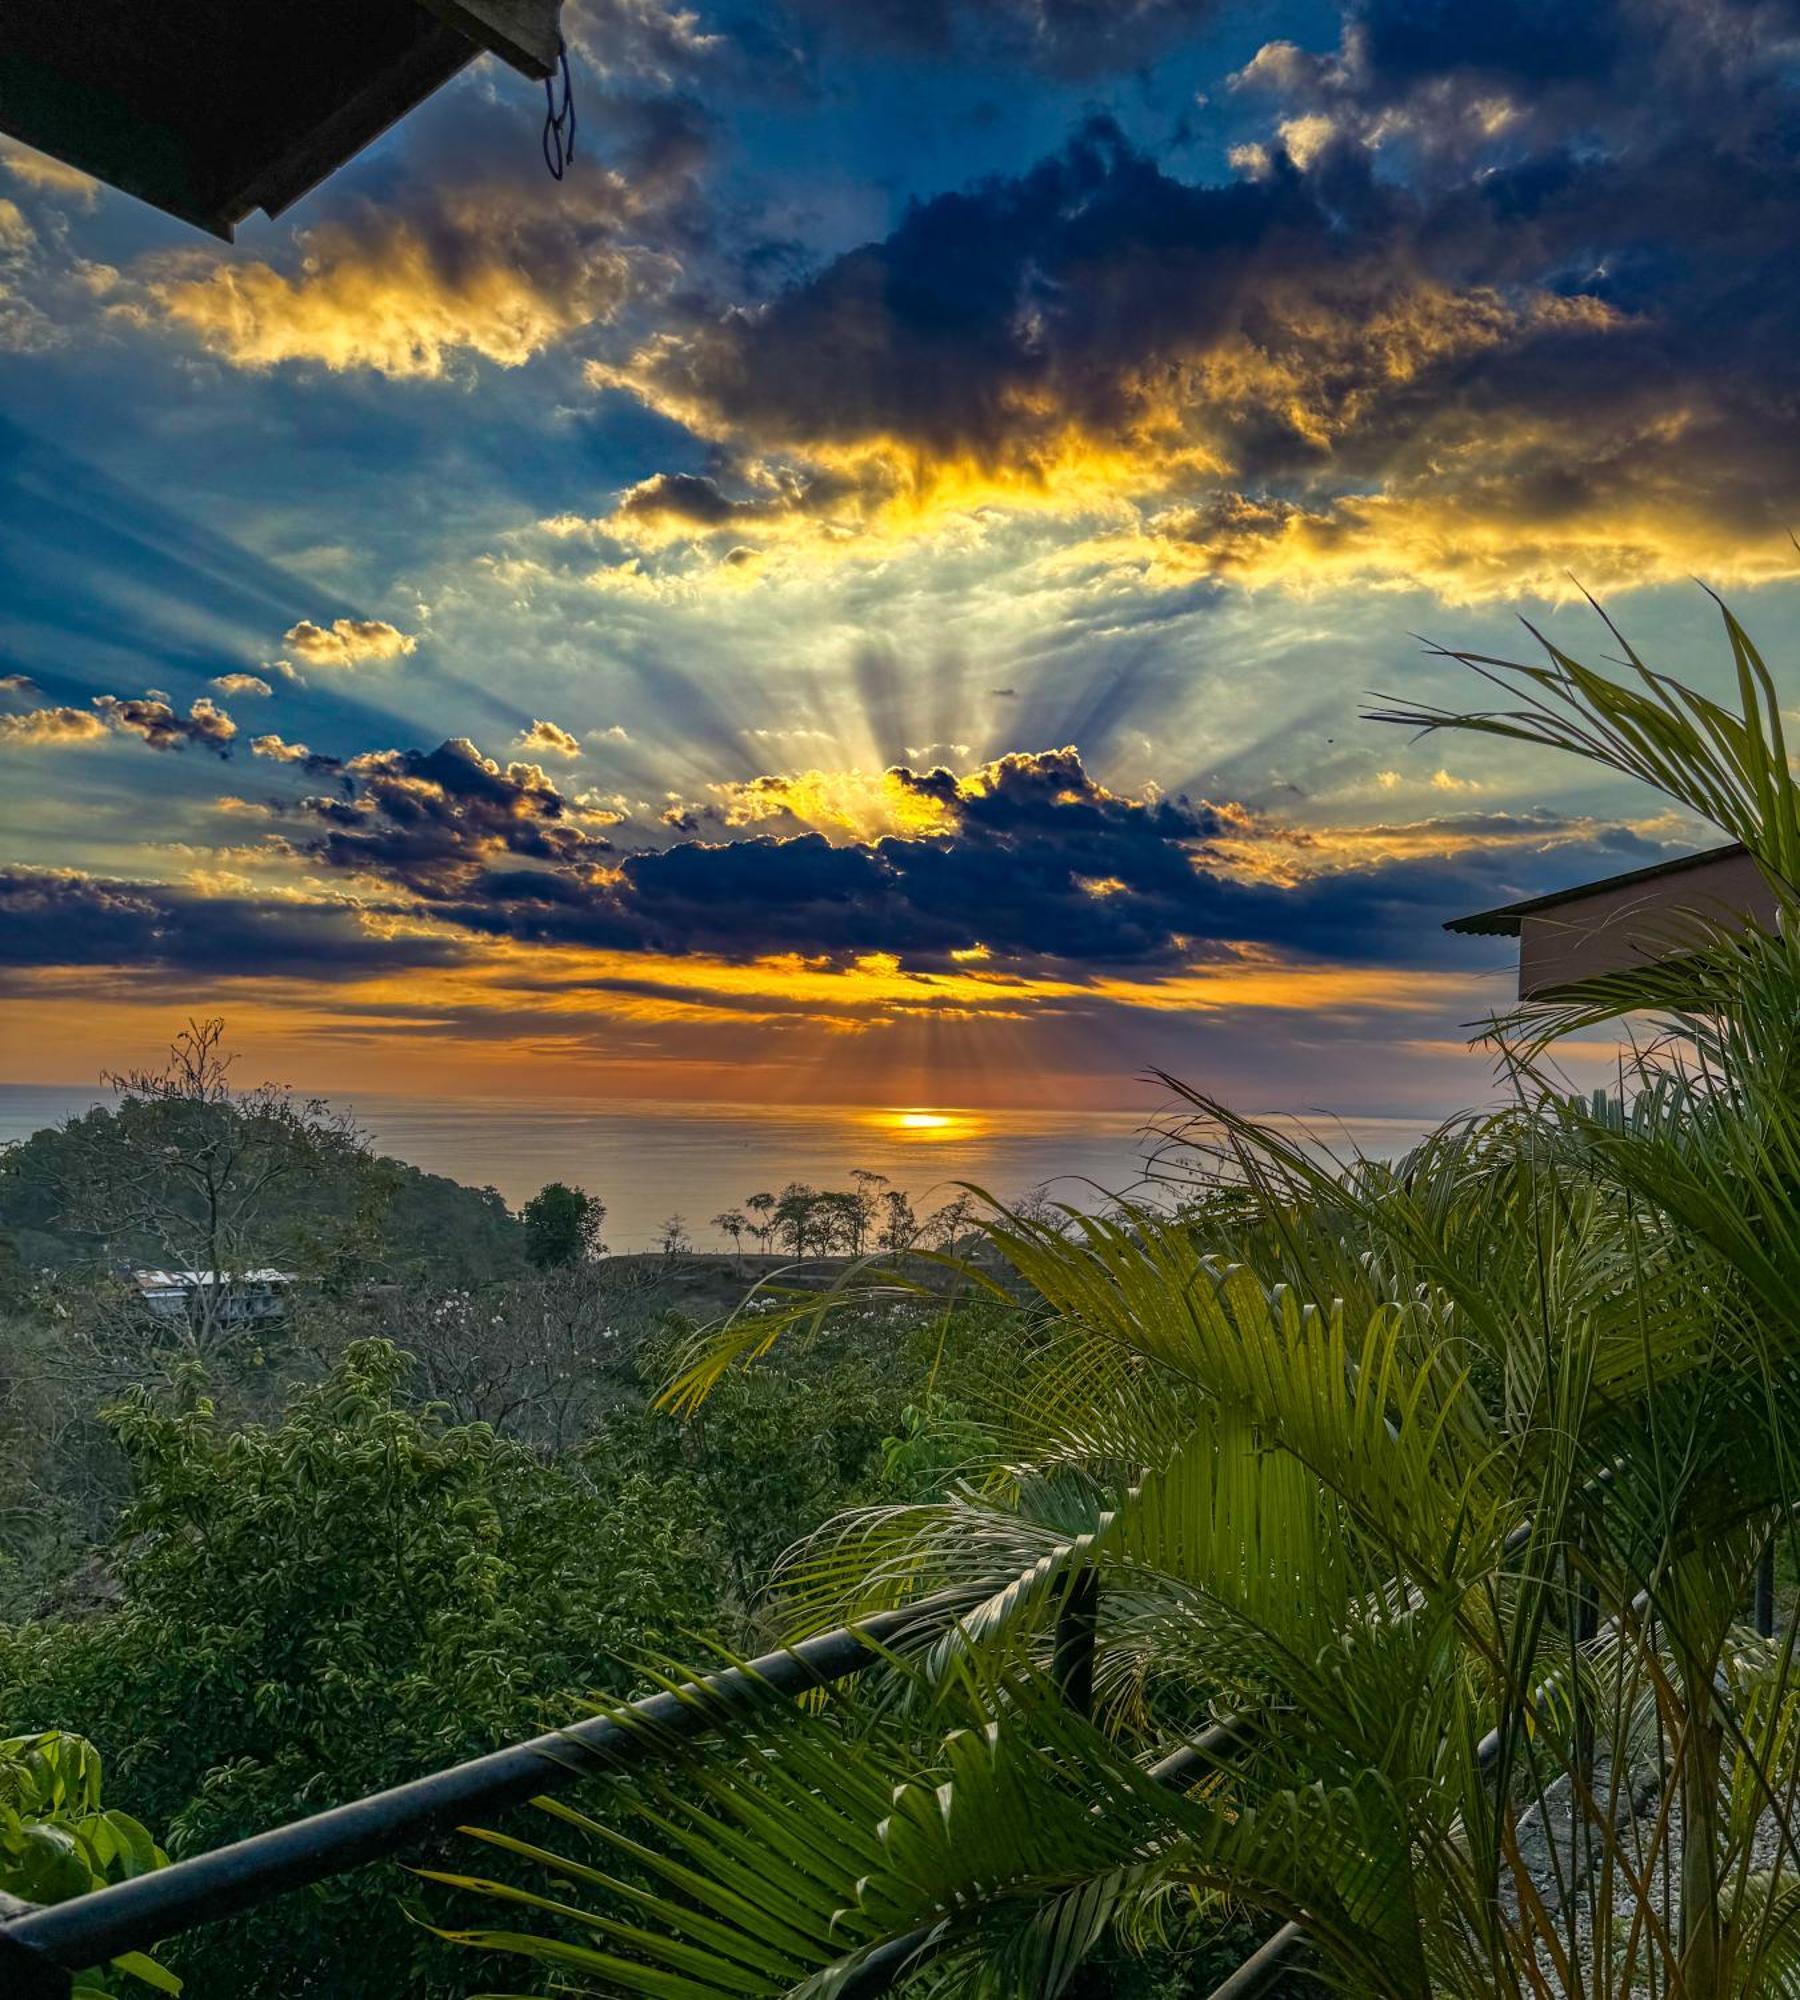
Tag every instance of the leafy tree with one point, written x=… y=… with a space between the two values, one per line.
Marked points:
x=355 y=1595
x=733 y=1224
x=673 y=1238
x=562 y=1226
x=283 y=1181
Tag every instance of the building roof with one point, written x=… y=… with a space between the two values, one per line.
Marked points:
x=188 y=1281
x=208 y=109
x=1508 y=918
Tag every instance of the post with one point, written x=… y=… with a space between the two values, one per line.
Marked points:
x=1077 y=1629
x=25 y=1972
x=1585 y=1624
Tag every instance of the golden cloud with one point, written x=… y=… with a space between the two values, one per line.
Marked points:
x=52 y=728
x=1471 y=502
x=493 y=269
x=348 y=642
x=845 y=805
x=548 y=739
x=40 y=171
x=1308 y=378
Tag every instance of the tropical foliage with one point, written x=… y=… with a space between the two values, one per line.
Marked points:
x=58 y=1839
x=1423 y=1503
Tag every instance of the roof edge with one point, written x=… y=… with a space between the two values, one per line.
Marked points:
x=1505 y=919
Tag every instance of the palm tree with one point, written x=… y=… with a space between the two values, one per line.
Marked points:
x=1415 y=1510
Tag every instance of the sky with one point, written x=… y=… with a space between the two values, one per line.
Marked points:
x=865 y=592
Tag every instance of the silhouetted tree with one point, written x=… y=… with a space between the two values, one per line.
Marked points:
x=899 y=1225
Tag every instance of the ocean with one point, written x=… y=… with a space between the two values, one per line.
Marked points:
x=648 y=1162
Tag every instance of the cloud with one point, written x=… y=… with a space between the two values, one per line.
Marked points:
x=17 y=684
x=1525 y=355
x=154 y=719
x=242 y=684
x=48 y=176
x=313 y=762
x=548 y=739
x=433 y=820
x=52 y=728
x=16 y=234
x=1434 y=81
x=348 y=642
x=465 y=259
x=150 y=717
x=1026 y=862
x=61 y=917
x=1067 y=38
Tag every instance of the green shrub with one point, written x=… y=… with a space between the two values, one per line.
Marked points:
x=355 y=1595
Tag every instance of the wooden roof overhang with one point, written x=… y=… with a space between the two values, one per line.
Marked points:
x=208 y=109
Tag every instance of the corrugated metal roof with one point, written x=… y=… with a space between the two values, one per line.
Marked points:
x=186 y=1281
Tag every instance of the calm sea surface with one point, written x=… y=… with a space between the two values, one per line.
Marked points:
x=647 y=1162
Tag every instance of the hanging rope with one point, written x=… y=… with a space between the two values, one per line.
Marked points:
x=559 y=118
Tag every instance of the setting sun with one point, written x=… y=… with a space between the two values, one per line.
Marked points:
x=917 y=1123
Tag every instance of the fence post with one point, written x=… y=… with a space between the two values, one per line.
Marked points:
x=1077 y=1631
x=1585 y=1610
x=25 y=1973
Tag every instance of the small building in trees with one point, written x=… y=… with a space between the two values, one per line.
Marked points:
x=222 y=1298
x=208 y=109
x=1626 y=921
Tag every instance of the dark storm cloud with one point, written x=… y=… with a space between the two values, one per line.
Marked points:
x=1028 y=859
x=687 y=497
x=983 y=309
x=432 y=819
x=1530 y=41
x=52 y=917
x=1566 y=334
x=1071 y=38
x=1612 y=62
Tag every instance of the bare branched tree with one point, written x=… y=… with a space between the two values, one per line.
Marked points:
x=194 y=1168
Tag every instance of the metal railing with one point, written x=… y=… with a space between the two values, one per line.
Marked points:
x=43 y=1946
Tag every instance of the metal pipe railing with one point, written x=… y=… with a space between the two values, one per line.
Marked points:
x=47 y=1943
x=40 y=1946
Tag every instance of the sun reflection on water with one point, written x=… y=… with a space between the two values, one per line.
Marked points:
x=915 y=1122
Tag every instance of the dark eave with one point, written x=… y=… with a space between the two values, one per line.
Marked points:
x=208 y=109
x=1508 y=918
